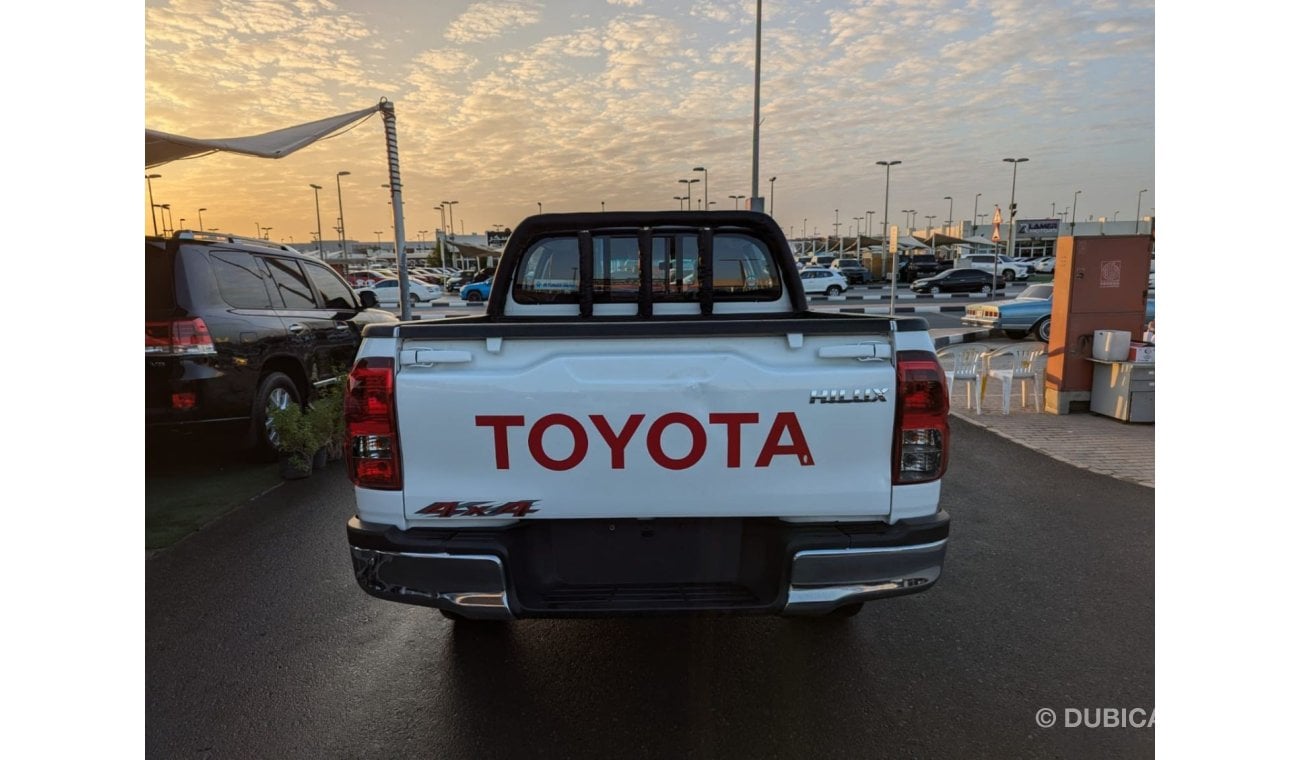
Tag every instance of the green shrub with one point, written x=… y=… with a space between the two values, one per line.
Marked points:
x=298 y=434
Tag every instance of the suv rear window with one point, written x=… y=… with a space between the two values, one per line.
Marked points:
x=743 y=269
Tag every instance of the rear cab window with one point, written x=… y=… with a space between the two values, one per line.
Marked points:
x=744 y=271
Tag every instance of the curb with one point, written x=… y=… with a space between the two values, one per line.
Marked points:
x=966 y=337
x=903 y=309
x=908 y=296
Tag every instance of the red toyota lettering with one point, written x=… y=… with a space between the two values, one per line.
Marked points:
x=798 y=446
x=579 y=442
x=733 y=421
x=617 y=442
x=654 y=441
x=499 y=423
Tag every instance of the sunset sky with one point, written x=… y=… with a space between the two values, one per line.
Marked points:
x=504 y=103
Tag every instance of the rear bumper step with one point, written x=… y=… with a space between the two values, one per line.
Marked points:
x=587 y=568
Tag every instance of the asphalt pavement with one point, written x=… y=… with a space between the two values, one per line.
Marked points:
x=260 y=644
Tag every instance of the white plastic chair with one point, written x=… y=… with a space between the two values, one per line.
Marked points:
x=1028 y=362
x=967 y=366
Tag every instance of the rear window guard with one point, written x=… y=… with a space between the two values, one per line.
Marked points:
x=647 y=265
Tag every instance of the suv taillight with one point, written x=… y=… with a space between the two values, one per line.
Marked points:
x=370 y=414
x=921 y=433
x=178 y=337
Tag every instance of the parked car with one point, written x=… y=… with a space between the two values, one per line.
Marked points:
x=822 y=280
x=236 y=327
x=389 y=291
x=958 y=281
x=476 y=291
x=363 y=278
x=853 y=271
x=1009 y=270
x=1045 y=265
x=1030 y=313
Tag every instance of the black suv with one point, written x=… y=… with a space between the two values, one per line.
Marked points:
x=234 y=327
x=853 y=271
x=922 y=265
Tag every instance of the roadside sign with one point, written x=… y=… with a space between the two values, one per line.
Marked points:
x=893 y=238
x=997 y=224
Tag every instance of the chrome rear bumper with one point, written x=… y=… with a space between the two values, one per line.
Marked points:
x=823 y=579
x=828 y=566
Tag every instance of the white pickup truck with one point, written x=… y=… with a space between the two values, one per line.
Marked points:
x=647 y=419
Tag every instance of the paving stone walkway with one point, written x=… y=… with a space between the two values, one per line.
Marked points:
x=1100 y=444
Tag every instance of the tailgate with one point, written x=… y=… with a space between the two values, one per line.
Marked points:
x=660 y=427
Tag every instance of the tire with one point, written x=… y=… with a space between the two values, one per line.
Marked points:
x=1008 y=275
x=276 y=390
x=986 y=290
x=413 y=298
x=833 y=290
x=934 y=290
x=473 y=296
x=1042 y=329
x=1015 y=334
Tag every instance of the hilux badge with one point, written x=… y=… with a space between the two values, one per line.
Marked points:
x=848 y=396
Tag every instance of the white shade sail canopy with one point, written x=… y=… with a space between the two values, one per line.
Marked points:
x=160 y=147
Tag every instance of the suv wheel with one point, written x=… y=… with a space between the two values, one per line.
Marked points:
x=1009 y=275
x=473 y=295
x=276 y=391
x=833 y=290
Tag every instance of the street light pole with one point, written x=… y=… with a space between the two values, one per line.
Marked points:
x=167 y=216
x=320 y=241
x=681 y=201
x=201 y=218
x=451 y=216
x=736 y=198
x=148 y=180
x=758 y=57
x=1074 y=210
x=948 y=225
x=706 y=185
x=893 y=274
x=1011 y=241
x=975 y=217
x=343 y=235
x=442 y=236
x=539 y=207
x=1138 y=219
x=857 y=235
x=771 y=202
x=869 y=215
x=688 y=183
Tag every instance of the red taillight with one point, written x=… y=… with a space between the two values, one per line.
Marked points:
x=921 y=434
x=370 y=413
x=184 y=400
x=178 y=337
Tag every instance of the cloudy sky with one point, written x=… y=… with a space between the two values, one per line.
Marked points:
x=504 y=103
